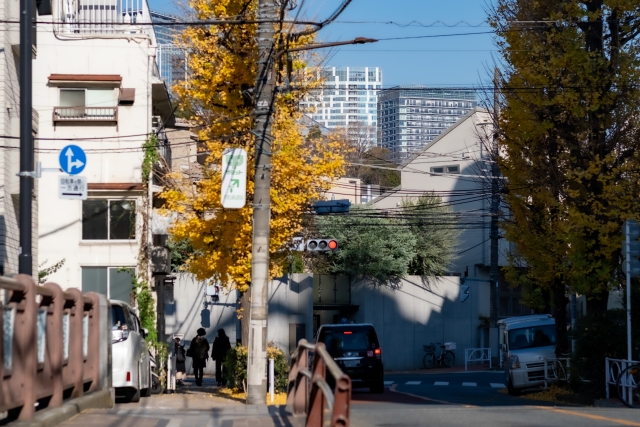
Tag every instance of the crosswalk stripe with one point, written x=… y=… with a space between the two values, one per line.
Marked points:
x=413 y=382
x=469 y=384
x=441 y=383
x=497 y=385
x=388 y=382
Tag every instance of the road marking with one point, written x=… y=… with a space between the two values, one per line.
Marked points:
x=441 y=383
x=592 y=417
x=497 y=385
x=413 y=382
x=469 y=385
x=393 y=389
x=388 y=382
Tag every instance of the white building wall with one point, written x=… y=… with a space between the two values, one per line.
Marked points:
x=114 y=154
x=468 y=191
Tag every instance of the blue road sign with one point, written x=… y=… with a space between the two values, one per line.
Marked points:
x=72 y=159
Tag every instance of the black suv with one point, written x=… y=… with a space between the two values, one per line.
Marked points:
x=356 y=349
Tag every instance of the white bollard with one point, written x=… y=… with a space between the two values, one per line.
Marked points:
x=272 y=379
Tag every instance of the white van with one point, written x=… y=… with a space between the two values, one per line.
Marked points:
x=526 y=341
x=131 y=364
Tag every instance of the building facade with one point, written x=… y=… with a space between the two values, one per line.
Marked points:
x=96 y=86
x=411 y=117
x=171 y=58
x=348 y=99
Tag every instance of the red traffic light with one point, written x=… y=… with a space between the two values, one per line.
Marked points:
x=333 y=244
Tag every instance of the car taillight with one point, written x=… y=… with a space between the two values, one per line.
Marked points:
x=128 y=376
x=378 y=353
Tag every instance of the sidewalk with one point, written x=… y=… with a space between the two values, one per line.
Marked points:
x=189 y=406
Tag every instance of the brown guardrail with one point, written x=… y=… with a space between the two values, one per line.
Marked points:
x=49 y=345
x=308 y=390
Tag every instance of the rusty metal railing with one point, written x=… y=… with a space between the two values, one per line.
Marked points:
x=308 y=390
x=49 y=345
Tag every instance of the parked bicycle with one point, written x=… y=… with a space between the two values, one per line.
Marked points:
x=628 y=386
x=445 y=357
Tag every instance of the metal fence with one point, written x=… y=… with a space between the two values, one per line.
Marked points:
x=473 y=355
x=308 y=390
x=52 y=345
x=104 y=16
x=613 y=368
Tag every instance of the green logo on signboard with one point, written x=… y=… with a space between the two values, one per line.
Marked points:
x=234 y=162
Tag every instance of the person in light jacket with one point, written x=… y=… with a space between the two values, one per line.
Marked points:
x=199 y=352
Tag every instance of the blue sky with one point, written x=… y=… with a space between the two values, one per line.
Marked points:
x=439 y=61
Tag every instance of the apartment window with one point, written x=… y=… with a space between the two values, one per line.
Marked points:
x=113 y=282
x=104 y=219
x=453 y=169
x=82 y=104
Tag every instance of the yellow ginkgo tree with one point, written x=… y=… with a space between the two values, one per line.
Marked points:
x=222 y=70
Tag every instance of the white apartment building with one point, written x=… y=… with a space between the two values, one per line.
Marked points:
x=347 y=98
x=96 y=85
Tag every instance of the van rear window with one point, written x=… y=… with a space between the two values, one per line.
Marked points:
x=349 y=339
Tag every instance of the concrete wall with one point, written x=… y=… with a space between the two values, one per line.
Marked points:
x=418 y=312
x=290 y=304
x=187 y=309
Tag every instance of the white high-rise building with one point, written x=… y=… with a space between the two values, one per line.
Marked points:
x=348 y=98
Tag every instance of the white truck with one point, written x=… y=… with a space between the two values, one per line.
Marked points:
x=526 y=341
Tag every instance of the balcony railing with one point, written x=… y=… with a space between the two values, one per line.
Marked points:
x=104 y=16
x=85 y=114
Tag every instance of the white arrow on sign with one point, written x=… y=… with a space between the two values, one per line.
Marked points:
x=71 y=164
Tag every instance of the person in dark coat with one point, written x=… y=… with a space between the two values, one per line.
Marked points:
x=180 y=359
x=221 y=347
x=199 y=352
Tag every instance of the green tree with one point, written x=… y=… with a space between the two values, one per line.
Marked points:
x=568 y=132
x=373 y=246
x=430 y=222
x=383 y=248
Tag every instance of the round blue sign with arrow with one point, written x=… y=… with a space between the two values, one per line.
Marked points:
x=72 y=159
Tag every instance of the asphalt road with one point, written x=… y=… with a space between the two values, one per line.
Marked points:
x=470 y=399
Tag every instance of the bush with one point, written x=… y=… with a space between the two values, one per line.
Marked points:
x=599 y=336
x=236 y=367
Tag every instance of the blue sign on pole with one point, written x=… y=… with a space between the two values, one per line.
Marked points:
x=72 y=159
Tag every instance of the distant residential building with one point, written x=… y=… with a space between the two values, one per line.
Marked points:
x=171 y=58
x=411 y=117
x=348 y=99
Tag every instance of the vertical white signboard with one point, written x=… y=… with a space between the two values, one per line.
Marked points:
x=234 y=178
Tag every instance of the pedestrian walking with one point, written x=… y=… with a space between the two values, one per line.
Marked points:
x=221 y=347
x=199 y=352
x=181 y=369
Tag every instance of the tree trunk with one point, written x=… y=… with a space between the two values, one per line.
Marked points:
x=598 y=302
x=560 y=302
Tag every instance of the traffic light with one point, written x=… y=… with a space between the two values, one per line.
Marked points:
x=631 y=247
x=319 y=245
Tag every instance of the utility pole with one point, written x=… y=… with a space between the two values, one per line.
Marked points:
x=27 y=175
x=264 y=98
x=495 y=205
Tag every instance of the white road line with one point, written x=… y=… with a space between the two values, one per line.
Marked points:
x=469 y=384
x=441 y=383
x=413 y=382
x=497 y=385
x=388 y=382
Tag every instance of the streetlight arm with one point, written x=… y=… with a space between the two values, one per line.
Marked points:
x=357 y=40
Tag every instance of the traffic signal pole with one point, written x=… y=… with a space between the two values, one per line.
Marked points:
x=27 y=175
x=264 y=99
